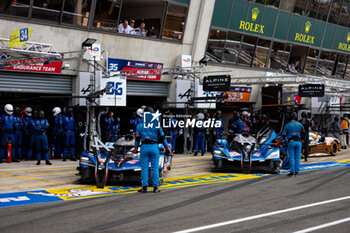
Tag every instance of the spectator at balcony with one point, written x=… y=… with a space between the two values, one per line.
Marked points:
x=124 y=27
x=141 y=31
x=291 y=68
x=151 y=32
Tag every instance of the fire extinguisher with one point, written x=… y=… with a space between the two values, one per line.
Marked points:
x=9 y=152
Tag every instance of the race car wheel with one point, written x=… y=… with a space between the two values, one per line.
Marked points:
x=86 y=174
x=334 y=149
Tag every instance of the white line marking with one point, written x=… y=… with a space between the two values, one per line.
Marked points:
x=324 y=225
x=262 y=215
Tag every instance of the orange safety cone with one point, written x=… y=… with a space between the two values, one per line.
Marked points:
x=9 y=152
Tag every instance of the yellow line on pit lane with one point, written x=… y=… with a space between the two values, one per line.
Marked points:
x=37 y=170
x=35 y=184
x=190 y=159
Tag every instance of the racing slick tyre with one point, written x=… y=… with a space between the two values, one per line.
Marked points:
x=334 y=149
x=217 y=164
x=86 y=175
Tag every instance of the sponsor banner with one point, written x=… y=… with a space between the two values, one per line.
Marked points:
x=116 y=96
x=311 y=90
x=183 y=92
x=186 y=61
x=39 y=67
x=20 y=37
x=93 y=53
x=217 y=83
x=238 y=94
x=24 y=198
x=143 y=70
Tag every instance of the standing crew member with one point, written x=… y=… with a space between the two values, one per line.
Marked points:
x=292 y=131
x=306 y=123
x=236 y=126
x=335 y=128
x=173 y=132
x=149 y=138
x=345 y=130
x=40 y=126
x=8 y=128
x=27 y=136
x=108 y=124
x=114 y=131
x=218 y=131
x=19 y=126
x=57 y=131
x=69 y=128
x=200 y=136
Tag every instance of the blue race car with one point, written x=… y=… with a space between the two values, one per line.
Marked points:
x=247 y=153
x=117 y=162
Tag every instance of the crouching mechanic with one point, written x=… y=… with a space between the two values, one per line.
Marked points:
x=149 y=138
x=293 y=131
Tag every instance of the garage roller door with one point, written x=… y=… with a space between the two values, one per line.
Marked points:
x=51 y=84
x=142 y=88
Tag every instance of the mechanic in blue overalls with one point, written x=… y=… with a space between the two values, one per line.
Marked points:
x=114 y=131
x=19 y=126
x=292 y=131
x=108 y=124
x=218 y=131
x=57 y=131
x=40 y=127
x=135 y=120
x=8 y=128
x=235 y=127
x=69 y=128
x=149 y=138
x=172 y=132
x=26 y=134
x=200 y=136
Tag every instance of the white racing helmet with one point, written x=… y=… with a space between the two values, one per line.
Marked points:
x=139 y=112
x=28 y=111
x=56 y=111
x=245 y=113
x=200 y=116
x=9 y=109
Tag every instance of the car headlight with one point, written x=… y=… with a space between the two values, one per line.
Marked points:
x=217 y=153
x=274 y=155
x=85 y=160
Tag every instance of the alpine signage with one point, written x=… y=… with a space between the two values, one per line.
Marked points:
x=311 y=90
x=217 y=83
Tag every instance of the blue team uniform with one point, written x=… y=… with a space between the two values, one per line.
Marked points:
x=7 y=125
x=114 y=132
x=109 y=124
x=149 y=152
x=69 y=128
x=40 y=127
x=134 y=122
x=57 y=133
x=236 y=127
x=172 y=132
x=292 y=131
x=200 y=139
x=28 y=139
x=218 y=130
x=18 y=136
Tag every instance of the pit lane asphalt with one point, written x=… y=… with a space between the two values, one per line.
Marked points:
x=185 y=208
